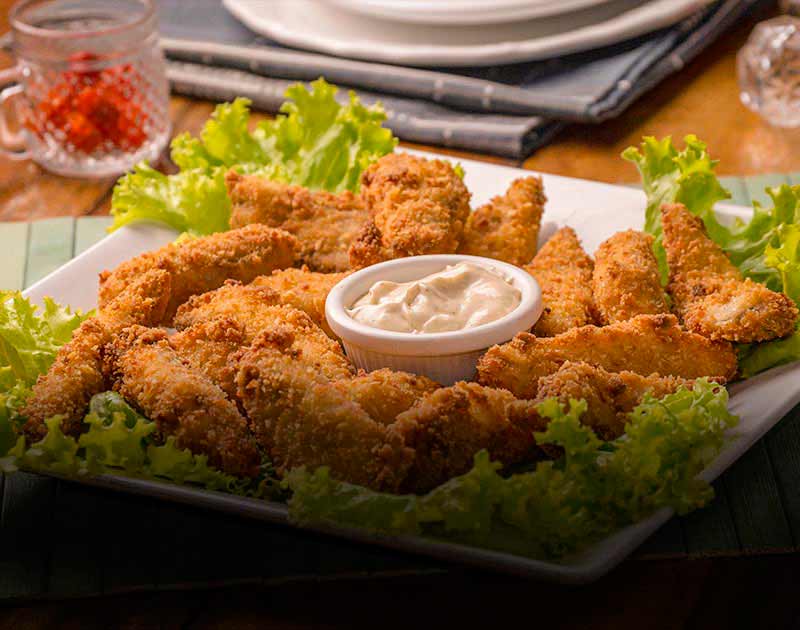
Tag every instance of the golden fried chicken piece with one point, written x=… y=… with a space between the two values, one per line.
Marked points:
x=709 y=293
x=258 y=309
x=207 y=345
x=324 y=223
x=303 y=289
x=507 y=228
x=449 y=426
x=384 y=394
x=609 y=396
x=234 y=300
x=626 y=282
x=564 y=273
x=417 y=206
x=646 y=344
x=203 y=264
x=301 y=420
x=147 y=372
x=75 y=375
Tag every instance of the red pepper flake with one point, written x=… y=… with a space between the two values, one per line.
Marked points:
x=93 y=109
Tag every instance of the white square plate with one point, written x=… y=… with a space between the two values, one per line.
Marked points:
x=595 y=211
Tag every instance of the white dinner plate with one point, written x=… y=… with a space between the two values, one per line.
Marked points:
x=325 y=27
x=450 y=12
x=595 y=211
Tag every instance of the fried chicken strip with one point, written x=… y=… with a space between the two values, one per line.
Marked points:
x=301 y=420
x=449 y=426
x=324 y=223
x=304 y=290
x=644 y=344
x=609 y=396
x=257 y=309
x=626 y=281
x=203 y=264
x=147 y=372
x=206 y=346
x=564 y=273
x=385 y=394
x=709 y=293
x=417 y=206
x=507 y=228
x=76 y=375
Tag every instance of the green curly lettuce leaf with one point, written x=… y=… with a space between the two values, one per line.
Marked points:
x=765 y=248
x=784 y=258
x=672 y=176
x=193 y=201
x=11 y=420
x=561 y=506
x=314 y=141
x=30 y=337
x=118 y=440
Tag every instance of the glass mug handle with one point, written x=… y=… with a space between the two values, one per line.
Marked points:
x=10 y=141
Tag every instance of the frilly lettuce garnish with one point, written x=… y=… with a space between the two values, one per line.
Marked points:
x=313 y=142
x=30 y=337
x=561 y=506
x=764 y=248
x=118 y=440
x=672 y=176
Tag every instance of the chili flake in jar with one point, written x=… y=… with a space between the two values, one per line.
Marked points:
x=93 y=110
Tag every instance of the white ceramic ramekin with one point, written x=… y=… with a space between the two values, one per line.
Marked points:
x=445 y=357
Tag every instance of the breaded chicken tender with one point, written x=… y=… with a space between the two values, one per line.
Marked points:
x=384 y=394
x=204 y=263
x=207 y=345
x=258 y=309
x=507 y=228
x=304 y=290
x=564 y=273
x=324 y=223
x=709 y=293
x=301 y=420
x=449 y=426
x=626 y=281
x=76 y=375
x=417 y=206
x=646 y=344
x=147 y=372
x=609 y=396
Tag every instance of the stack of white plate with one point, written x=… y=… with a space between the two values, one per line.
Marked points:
x=456 y=32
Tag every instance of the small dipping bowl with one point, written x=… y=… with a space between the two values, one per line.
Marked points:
x=445 y=357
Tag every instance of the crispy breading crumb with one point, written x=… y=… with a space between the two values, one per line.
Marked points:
x=709 y=292
x=507 y=228
x=75 y=375
x=205 y=263
x=183 y=402
x=645 y=345
x=324 y=223
x=626 y=281
x=564 y=273
x=417 y=206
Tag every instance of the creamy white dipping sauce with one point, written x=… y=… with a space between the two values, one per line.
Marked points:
x=462 y=296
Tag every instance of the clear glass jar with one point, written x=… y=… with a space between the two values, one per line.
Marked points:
x=92 y=97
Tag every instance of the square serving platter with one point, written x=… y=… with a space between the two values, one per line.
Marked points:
x=595 y=211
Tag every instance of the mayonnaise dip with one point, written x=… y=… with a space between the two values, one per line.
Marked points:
x=461 y=296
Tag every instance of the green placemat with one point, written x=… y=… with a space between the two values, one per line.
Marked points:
x=59 y=539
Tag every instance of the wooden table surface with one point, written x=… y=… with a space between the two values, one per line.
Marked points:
x=751 y=591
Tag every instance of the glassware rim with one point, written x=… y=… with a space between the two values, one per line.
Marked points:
x=20 y=26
